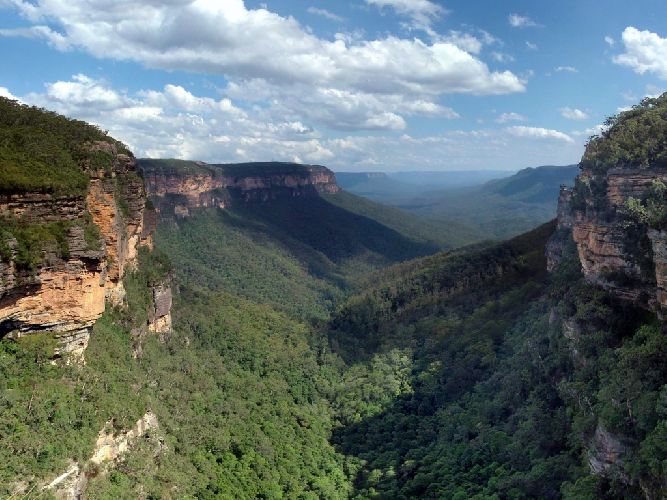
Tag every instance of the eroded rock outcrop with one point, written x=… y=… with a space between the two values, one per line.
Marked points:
x=109 y=448
x=616 y=252
x=97 y=235
x=183 y=186
x=557 y=244
x=606 y=454
x=159 y=316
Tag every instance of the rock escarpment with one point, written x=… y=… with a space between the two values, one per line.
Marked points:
x=72 y=251
x=159 y=315
x=615 y=217
x=183 y=185
x=617 y=248
x=618 y=208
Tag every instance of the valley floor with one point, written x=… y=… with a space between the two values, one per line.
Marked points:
x=300 y=370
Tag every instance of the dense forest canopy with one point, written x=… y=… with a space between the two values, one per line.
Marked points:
x=636 y=138
x=45 y=152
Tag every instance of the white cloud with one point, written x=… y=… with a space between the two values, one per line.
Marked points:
x=84 y=92
x=645 y=52
x=509 y=117
x=531 y=45
x=226 y=38
x=316 y=11
x=464 y=41
x=596 y=130
x=518 y=21
x=422 y=12
x=340 y=109
x=174 y=122
x=653 y=91
x=538 y=133
x=573 y=114
x=4 y=92
x=54 y=38
x=609 y=41
x=566 y=69
x=501 y=57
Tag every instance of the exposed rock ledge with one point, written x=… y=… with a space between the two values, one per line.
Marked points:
x=609 y=256
x=182 y=185
x=66 y=294
x=109 y=448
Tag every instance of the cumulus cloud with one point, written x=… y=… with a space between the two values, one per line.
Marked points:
x=509 y=117
x=531 y=45
x=422 y=12
x=54 y=38
x=340 y=109
x=4 y=92
x=645 y=52
x=539 y=133
x=566 y=69
x=501 y=57
x=174 y=122
x=518 y=21
x=573 y=114
x=609 y=41
x=316 y=11
x=256 y=45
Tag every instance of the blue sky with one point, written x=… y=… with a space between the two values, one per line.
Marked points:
x=365 y=85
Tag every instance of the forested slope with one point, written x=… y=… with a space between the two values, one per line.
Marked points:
x=312 y=355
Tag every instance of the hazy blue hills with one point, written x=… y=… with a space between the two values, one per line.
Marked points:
x=397 y=187
x=500 y=208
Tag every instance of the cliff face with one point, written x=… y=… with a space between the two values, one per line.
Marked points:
x=183 y=186
x=615 y=216
x=617 y=252
x=99 y=231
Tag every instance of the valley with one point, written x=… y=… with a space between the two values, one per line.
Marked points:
x=281 y=337
x=496 y=204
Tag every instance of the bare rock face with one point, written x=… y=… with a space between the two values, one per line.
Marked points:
x=66 y=294
x=159 y=317
x=203 y=185
x=556 y=245
x=109 y=448
x=612 y=253
x=659 y=247
x=606 y=455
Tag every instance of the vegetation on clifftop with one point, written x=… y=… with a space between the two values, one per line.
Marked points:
x=636 y=138
x=42 y=151
x=181 y=167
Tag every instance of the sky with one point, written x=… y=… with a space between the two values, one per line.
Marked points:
x=364 y=85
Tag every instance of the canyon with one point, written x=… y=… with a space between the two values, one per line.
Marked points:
x=105 y=228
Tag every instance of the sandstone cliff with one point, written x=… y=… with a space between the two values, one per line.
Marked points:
x=617 y=251
x=182 y=185
x=615 y=222
x=62 y=286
